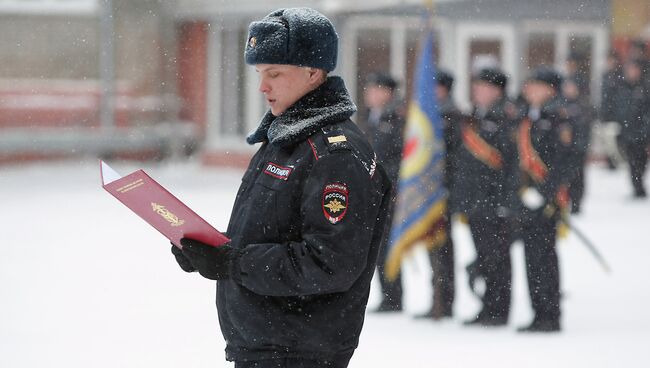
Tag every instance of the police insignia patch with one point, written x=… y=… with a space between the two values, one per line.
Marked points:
x=335 y=202
x=277 y=171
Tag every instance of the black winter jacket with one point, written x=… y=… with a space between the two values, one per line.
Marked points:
x=386 y=135
x=582 y=115
x=556 y=152
x=484 y=190
x=632 y=111
x=307 y=223
x=451 y=119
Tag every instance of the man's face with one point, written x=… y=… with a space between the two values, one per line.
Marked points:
x=375 y=96
x=485 y=94
x=283 y=85
x=442 y=93
x=632 y=72
x=537 y=93
x=570 y=90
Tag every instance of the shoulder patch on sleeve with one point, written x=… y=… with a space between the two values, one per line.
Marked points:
x=335 y=201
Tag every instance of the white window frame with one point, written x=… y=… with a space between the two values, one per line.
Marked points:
x=254 y=103
x=466 y=32
x=563 y=32
x=398 y=28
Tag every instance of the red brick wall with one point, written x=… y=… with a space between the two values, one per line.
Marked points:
x=622 y=46
x=192 y=72
x=34 y=103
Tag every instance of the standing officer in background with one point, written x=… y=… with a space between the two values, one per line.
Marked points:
x=639 y=53
x=486 y=171
x=309 y=216
x=582 y=115
x=442 y=258
x=545 y=149
x=384 y=127
x=612 y=79
x=576 y=71
x=632 y=112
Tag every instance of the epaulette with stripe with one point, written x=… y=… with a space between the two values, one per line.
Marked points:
x=333 y=139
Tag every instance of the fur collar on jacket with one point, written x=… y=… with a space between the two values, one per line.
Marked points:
x=327 y=104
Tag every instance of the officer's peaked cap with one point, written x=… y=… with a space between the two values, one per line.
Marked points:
x=381 y=79
x=493 y=76
x=445 y=79
x=293 y=36
x=546 y=75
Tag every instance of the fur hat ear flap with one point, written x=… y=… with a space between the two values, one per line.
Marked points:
x=268 y=43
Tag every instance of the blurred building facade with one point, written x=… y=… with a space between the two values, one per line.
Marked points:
x=53 y=55
x=180 y=81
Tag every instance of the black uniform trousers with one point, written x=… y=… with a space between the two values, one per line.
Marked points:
x=391 y=289
x=637 y=156
x=539 y=233
x=340 y=361
x=492 y=241
x=443 y=282
x=577 y=184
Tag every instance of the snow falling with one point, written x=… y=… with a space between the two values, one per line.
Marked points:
x=86 y=283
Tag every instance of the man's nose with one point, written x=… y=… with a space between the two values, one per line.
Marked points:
x=264 y=87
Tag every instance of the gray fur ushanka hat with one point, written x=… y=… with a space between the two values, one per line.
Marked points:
x=293 y=36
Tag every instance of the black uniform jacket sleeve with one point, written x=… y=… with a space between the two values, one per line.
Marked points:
x=556 y=152
x=335 y=243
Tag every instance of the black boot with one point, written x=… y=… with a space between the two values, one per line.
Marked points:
x=552 y=325
x=485 y=320
x=388 y=306
x=435 y=314
x=640 y=193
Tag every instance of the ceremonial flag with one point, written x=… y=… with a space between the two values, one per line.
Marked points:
x=421 y=197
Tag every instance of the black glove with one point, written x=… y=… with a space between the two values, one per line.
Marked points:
x=212 y=262
x=182 y=261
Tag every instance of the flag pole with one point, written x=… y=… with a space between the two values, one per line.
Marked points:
x=430 y=7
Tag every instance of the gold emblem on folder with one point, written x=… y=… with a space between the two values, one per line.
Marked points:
x=164 y=213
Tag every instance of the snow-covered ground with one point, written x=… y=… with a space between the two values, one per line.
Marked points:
x=85 y=283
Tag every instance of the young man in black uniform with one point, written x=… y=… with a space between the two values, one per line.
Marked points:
x=544 y=139
x=487 y=166
x=612 y=78
x=632 y=112
x=582 y=115
x=384 y=127
x=309 y=216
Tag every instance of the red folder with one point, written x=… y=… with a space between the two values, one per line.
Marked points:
x=158 y=207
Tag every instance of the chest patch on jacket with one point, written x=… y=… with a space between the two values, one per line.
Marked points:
x=277 y=171
x=335 y=201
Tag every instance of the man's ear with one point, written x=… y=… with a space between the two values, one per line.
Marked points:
x=316 y=76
